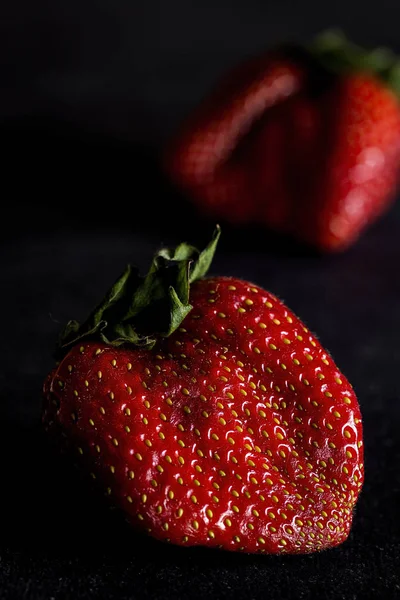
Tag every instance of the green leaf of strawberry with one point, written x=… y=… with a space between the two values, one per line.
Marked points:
x=137 y=307
x=338 y=54
x=235 y=430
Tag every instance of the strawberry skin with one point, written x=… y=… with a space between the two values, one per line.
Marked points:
x=294 y=146
x=236 y=431
x=216 y=158
x=359 y=177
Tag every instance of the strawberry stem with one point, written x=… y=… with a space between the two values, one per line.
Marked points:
x=138 y=310
x=336 y=53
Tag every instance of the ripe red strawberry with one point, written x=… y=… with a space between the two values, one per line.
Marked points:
x=305 y=142
x=233 y=428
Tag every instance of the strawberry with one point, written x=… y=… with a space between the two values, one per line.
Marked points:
x=305 y=141
x=231 y=427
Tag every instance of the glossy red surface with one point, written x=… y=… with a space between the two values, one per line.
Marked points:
x=237 y=431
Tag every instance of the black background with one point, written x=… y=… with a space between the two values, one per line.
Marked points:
x=90 y=91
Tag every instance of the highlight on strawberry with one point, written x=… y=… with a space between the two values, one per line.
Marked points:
x=208 y=412
x=305 y=140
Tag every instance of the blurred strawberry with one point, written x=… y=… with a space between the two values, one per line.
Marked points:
x=305 y=141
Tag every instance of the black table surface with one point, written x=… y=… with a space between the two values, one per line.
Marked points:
x=90 y=90
x=57 y=541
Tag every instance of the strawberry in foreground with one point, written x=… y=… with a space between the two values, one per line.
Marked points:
x=304 y=141
x=208 y=412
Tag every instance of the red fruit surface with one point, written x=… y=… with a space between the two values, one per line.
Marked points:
x=284 y=148
x=216 y=158
x=237 y=431
x=359 y=177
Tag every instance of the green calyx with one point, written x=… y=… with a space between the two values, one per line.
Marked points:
x=336 y=53
x=139 y=310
